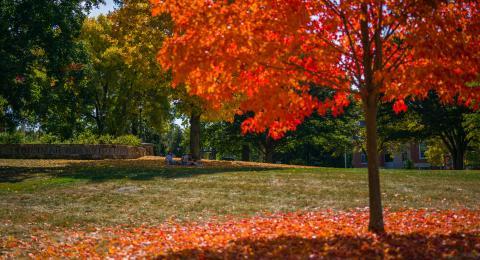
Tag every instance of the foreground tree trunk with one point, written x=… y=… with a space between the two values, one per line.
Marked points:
x=376 y=224
x=372 y=60
x=195 y=135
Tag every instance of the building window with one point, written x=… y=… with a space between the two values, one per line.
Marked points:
x=422 y=148
x=404 y=156
x=363 y=158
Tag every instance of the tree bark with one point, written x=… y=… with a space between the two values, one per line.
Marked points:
x=458 y=159
x=269 y=150
x=98 y=119
x=457 y=146
x=372 y=63
x=195 y=135
x=134 y=128
x=245 y=152
x=376 y=224
x=269 y=156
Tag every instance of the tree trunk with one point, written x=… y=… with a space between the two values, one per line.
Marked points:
x=269 y=150
x=457 y=147
x=269 y=156
x=134 y=129
x=376 y=211
x=245 y=152
x=98 y=120
x=458 y=159
x=195 y=135
x=100 y=127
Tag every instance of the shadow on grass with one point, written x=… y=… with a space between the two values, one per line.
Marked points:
x=103 y=174
x=412 y=246
x=18 y=174
x=98 y=172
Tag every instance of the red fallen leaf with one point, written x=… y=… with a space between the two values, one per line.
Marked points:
x=331 y=234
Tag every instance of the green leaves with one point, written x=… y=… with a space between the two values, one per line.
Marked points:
x=127 y=87
x=36 y=35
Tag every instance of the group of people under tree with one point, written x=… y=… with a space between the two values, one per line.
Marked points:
x=186 y=160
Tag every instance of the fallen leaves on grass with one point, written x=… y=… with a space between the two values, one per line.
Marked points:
x=147 y=162
x=331 y=234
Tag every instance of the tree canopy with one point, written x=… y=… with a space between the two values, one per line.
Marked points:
x=268 y=54
x=36 y=37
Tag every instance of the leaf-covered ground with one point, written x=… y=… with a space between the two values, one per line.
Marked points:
x=411 y=234
x=62 y=205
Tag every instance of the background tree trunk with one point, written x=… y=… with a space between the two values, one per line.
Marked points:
x=376 y=224
x=195 y=135
x=457 y=147
x=269 y=150
x=245 y=152
x=458 y=159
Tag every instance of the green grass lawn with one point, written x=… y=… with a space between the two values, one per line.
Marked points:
x=40 y=194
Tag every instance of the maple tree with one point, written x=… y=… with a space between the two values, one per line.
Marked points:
x=268 y=54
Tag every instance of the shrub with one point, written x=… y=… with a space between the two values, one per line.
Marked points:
x=47 y=139
x=472 y=160
x=408 y=164
x=128 y=140
x=90 y=138
x=435 y=153
x=12 y=138
x=85 y=138
x=82 y=138
x=105 y=139
x=298 y=162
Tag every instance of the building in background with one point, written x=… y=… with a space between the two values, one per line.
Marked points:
x=409 y=155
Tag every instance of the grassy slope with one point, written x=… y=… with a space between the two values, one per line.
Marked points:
x=45 y=194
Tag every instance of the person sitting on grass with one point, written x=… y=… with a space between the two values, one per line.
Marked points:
x=196 y=163
x=186 y=159
x=169 y=158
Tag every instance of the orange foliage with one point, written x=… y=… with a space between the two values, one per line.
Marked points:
x=269 y=54
x=411 y=234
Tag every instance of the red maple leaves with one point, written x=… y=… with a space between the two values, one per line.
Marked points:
x=267 y=55
x=410 y=234
x=399 y=106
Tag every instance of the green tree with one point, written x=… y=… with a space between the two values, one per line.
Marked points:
x=128 y=88
x=449 y=124
x=227 y=140
x=36 y=37
x=140 y=36
x=317 y=141
x=104 y=69
x=322 y=140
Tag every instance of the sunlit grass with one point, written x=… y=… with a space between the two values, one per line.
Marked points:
x=46 y=194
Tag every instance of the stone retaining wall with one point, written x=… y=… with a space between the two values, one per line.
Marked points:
x=70 y=151
x=149 y=149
